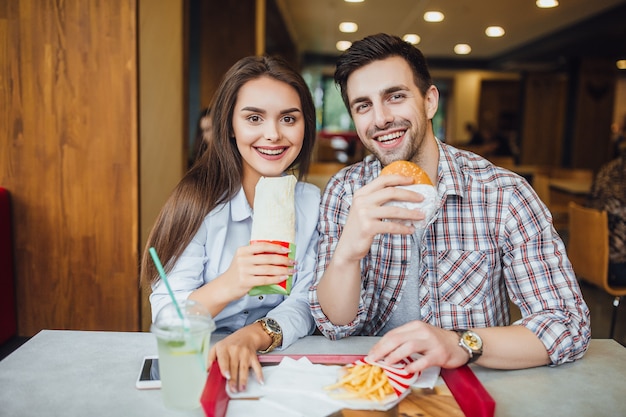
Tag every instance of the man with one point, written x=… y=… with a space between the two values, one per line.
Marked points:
x=442 y=293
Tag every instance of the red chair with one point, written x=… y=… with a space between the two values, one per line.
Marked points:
x=8 y=319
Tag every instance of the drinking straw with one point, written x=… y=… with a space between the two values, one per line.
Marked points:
x=159 y=267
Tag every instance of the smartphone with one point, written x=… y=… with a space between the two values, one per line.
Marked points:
x=149 y=374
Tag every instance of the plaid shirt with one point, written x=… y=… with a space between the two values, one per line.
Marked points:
x=491 y=236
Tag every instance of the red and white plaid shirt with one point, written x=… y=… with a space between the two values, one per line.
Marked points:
x=491 y=236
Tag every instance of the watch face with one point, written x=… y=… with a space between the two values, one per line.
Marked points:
x=273 y=325
x=472 y=341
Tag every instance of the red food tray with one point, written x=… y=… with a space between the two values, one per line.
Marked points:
x=469 y=393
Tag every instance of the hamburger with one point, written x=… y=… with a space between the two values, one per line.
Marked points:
x=407 y=169
x=422 y=184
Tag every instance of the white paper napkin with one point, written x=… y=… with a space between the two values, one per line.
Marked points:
x=295 y=388
x=428 y=205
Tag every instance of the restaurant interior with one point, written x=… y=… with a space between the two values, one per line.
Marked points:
x=102 y=105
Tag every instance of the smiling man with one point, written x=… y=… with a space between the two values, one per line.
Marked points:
x=443 y=291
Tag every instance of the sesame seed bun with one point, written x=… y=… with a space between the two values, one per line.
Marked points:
x=407 y=169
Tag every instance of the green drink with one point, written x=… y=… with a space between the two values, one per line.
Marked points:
x=183 y=346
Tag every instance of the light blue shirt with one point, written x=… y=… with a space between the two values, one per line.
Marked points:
x=210 y=254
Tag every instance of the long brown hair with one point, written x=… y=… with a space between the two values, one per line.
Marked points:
x=217 y=174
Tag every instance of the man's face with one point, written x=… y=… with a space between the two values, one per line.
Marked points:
x=390 y=114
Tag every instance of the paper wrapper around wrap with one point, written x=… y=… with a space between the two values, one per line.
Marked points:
x=274 y=221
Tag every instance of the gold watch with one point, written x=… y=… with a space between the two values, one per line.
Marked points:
x=472 y=343
x=272 y=328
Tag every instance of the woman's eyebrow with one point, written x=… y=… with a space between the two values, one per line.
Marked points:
x=252 y=109
x=291 y=110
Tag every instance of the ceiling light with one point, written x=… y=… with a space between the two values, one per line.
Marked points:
x=348 y=27
x=621 y=64
x=412 y=38
x=354 y=1
x=433 y=16
x=462 y=49
x=547 y=4
x=343 y=45
x=494 y=31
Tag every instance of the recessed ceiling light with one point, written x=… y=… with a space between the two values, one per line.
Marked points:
x=462 y=49
x=412 y=38
x=494 y=31
x=433 y=16
x=546 y=4
x=354 y=1
x=343 y=45
x=348 y=27
x=621 y=64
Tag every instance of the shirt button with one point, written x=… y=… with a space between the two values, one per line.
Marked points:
x=393 y=299
x=260 y=298
x=245 y=312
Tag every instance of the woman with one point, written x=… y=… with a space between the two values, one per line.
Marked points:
x=263 y=125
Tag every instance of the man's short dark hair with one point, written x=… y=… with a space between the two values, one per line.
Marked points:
x=377 y=47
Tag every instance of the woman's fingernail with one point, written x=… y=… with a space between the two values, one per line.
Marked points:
x=226 y=375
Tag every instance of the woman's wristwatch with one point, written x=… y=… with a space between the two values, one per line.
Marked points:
x=471 y=342
x=272 y=328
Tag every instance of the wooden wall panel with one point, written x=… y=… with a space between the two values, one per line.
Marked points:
x=69 y=157
x=543 y=119
x=499 y=108
x=591 y=144
x=162 y=113
x=277 y=38
x=227 y=35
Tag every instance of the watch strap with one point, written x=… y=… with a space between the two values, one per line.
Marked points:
x=277 y=337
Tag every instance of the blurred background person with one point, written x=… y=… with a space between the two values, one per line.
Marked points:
x=203 y=131
x=608 y=192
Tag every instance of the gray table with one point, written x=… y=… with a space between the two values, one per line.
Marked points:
x=74 y=373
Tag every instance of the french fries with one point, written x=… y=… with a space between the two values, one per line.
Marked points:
x=362 y=381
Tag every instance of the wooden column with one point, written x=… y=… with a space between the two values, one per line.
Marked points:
x=68 y=139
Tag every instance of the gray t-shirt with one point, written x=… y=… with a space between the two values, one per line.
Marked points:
x=408 y=305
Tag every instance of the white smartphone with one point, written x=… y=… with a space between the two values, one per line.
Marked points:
x=149 y=374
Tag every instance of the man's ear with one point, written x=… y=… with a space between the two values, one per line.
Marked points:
x=431 y=102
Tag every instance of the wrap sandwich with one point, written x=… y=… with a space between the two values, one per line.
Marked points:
x=274 y=221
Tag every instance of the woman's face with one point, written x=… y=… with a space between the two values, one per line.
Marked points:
x=269 y=127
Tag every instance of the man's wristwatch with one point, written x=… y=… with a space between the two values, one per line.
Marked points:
x=272 y=328
x=472 y=343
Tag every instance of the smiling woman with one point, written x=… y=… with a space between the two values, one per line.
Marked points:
x=263 y=126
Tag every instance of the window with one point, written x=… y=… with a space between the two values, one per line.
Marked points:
x=335 y=116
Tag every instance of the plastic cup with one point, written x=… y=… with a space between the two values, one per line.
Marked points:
x=183 y=346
